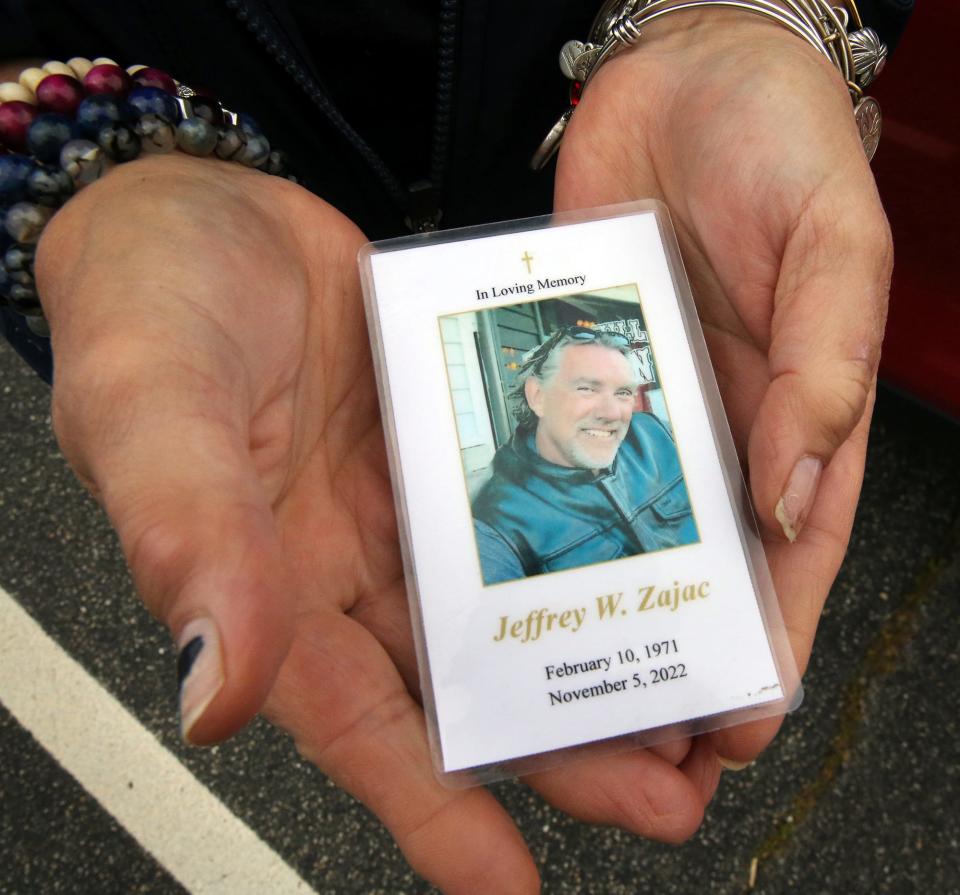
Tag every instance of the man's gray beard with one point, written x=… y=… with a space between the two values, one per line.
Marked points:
x=584 y=461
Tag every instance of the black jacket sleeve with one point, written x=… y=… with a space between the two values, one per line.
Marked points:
x=887 y=17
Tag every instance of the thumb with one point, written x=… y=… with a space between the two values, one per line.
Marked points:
x=827 y=326
x=167 y=454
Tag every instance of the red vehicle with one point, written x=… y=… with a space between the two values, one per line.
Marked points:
x=918 y=172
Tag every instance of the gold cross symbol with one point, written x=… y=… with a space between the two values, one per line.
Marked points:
x=526 y=259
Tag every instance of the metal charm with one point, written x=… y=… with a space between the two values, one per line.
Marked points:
x=183 y=97
x=585 y=62
x=625 y=31
x=869 y=122
x=551 y=143
x=869 y=55
x=577 y=58
x=569 y=53
x=611 y=12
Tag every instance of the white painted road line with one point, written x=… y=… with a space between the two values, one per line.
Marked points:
x=123 y=766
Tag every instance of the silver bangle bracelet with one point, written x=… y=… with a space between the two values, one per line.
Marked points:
x=858 y=55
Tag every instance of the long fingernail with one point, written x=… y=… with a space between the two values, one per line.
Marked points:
x=797 y=498
x=199 y=671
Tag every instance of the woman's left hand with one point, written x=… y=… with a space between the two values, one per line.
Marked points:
x=748 y=136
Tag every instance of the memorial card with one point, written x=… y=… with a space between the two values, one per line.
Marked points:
x=580 y=556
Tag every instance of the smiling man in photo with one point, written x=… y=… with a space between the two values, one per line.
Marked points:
x=584 y=478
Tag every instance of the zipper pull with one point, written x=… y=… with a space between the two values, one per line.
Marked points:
x=422 y=203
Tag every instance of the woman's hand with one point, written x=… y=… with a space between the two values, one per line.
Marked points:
x=214 y=390
x=748 y=136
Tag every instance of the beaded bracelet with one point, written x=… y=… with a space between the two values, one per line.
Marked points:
x=64 y=125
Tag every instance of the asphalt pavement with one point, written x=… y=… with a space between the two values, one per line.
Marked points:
x=860 y=793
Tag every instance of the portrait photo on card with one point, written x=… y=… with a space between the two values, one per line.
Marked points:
x=565 y=437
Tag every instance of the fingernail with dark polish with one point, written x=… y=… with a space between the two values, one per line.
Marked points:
x=199 y=671
x=794 y=504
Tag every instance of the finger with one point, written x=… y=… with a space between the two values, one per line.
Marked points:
x=736 y=747
x=341 y=698
x=830 y=309
x=702 y=768
x=741 y=371
x=638 y=791
x=673 y=751
x=803 y=574
x=386 y=615
x=163 y=446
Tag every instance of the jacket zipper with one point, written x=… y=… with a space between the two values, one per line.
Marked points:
x=277 y=47
x=442 y=115
x=420 y=201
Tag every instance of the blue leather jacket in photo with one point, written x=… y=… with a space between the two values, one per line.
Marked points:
x=534 y=516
